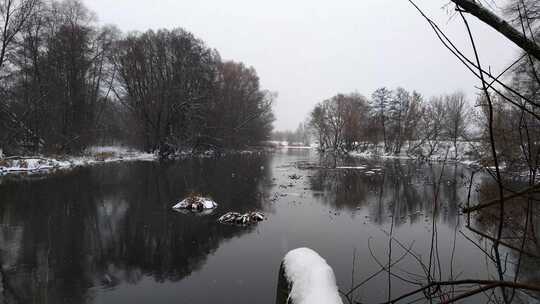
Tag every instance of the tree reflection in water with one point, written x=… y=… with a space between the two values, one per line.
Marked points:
x=103 y=225
x=403 y=189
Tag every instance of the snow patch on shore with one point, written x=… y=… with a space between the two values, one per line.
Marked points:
x=313 y=280
x=92 y=156
x=352 y=167
x=467 y=152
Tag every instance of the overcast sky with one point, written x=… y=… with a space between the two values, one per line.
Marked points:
x=309 y=50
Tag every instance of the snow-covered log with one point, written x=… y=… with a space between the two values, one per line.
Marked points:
x=241 y=219
x=305 y=277
x=196 y=203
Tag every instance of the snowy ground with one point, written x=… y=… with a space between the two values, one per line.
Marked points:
x=445 y=151
x=92 y=156
x=285 y=145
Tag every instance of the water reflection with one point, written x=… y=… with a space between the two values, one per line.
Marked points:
x=522 y=256
x=100 y=226
x=402 y=190
x=107 y=234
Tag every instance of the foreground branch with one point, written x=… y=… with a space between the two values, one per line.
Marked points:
x=503 y=27
x=532 y=189
x=485 y=285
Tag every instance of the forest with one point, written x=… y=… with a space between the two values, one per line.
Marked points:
x=67 y=83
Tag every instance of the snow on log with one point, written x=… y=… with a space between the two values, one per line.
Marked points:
x=304 y=278
x=241 y=219
x=352 y=168
x=196 y=203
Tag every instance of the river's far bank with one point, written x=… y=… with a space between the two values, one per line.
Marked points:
x=467 y=152
x=467 y=155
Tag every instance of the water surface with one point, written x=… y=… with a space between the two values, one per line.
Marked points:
x=107 y=234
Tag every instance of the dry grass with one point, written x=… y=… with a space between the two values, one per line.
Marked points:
x=193 y=197
x=23 y=164
x=102 y=156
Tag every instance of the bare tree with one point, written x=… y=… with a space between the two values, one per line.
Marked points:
x=398 y=107
x=403 y=116
x=14 y=15
x=339 y=122
x=457 y=118
x=412 y=118
x=320 y=126
x=241 y=112
x=380 y=101
x=356 y=113
x=432 y=126
x=165 y=79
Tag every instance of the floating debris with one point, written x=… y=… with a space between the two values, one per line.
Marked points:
x=295 y=176
x=303 y=165
x=241 y=219
x=352 y=168
x=195 y=203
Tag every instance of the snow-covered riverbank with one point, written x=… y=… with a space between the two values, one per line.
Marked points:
x=467 y=153
x=99 y=155
x=92 y=156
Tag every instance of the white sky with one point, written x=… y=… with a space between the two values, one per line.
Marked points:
x=309 y=50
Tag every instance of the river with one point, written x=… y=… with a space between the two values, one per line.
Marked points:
x=107 y=233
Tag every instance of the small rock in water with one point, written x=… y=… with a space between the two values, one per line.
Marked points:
x=241 y=219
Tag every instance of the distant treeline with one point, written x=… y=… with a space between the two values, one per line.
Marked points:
x=390 y=118
x=301 y=136
x=397 y=121
x=67 y=83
